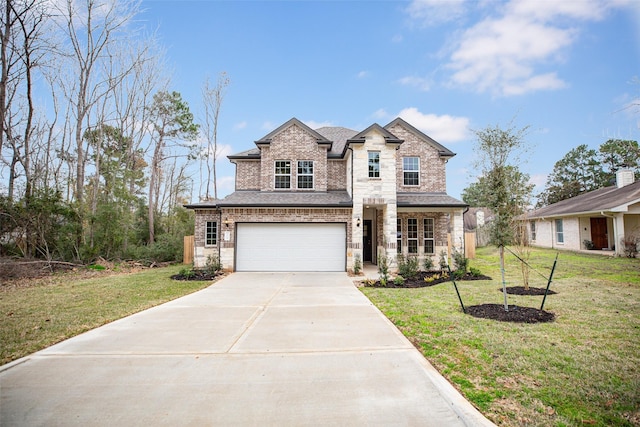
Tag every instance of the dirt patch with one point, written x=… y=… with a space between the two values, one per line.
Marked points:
x=520 y=290
x=425 y=279
x=515 y=314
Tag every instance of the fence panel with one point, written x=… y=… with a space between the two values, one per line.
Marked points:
x=189 y=244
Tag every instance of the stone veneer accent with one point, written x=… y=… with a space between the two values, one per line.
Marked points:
x=432 y=166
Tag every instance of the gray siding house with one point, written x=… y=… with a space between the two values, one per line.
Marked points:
x=317 y=200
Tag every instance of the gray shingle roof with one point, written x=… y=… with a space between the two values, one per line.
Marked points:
x=603 y=199
x=246 y=198
x=339 y=136
x=428 y=200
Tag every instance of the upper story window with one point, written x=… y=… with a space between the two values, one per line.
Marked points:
x=374 y=164
x=283 y=174
x=559 y=231
x=211 y=233
x=411 y=170
x=305 y=174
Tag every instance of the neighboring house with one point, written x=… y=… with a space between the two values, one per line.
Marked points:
x=477 y=220
x=317 y=200
x=603 y=218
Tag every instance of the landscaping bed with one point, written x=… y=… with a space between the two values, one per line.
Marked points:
x=424 y=279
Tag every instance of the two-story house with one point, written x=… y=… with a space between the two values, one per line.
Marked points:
x=318 y=200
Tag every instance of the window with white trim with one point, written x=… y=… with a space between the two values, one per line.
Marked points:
x=532 y=225
x=399 y=235
x=305 y=174
x=283 y=174
x=411 y=171
x=412 y=236
x=428 y=233
x=211 y=233
x=559 y=231
x=374 y=164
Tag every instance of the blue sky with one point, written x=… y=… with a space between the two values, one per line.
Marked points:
x=565 y=68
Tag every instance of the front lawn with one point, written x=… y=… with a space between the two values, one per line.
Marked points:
x=581 y=369
x=40 y=312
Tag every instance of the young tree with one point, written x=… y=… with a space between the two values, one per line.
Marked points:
x=498 y=150
x=172 y=123
x=212 y=98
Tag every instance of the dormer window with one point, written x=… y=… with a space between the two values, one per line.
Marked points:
x=374 y=164
x=283 y=174
x=411 y=171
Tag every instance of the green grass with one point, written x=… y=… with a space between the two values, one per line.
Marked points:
x=581 y=369
x=54 y=309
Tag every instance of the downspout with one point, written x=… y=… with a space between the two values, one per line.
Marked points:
x=220 y=237
x=464 y=239
x=615 y=229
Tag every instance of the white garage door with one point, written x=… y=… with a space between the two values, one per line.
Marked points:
x=291 y=247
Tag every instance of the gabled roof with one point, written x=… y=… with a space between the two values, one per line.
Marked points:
x=339 y=136
x=267 y=138
x=389 y=138
x=442 y=150
x=608 y=199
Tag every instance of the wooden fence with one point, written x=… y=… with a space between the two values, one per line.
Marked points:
x=189 y=244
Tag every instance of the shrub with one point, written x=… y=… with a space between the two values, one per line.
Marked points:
x=443 y=260
x=408 y=266
x=213 y=265
x=475 y=272
x=383 y=269
x=398 y=281
x=461 y=262
x=357 y=264
x=427 y=263
x=630 y=244
x=588 y=244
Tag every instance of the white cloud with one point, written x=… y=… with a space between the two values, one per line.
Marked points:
x=362 y=74
x=268 y=126
x=397 y=38
x=226 y=185
x=240 y=125
x=380 y=114
x=316 y=125
x=506 y=54
x=421 y=83
x=432 y=12
x=443 y=128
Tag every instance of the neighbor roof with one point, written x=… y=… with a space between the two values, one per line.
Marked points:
x=610 y=199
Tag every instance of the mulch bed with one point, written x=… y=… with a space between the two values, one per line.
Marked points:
x=515 y=314
x=433 y=278
x=520 y=290
x=196 y=275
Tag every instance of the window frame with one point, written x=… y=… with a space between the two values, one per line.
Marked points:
x=412 y=236
x=399 y=235
x=276 y=175
x=309 y=164
x=208 y=232
x=532 y=230
x=559 y=231
x=406 y=171
x=425 y=238
x=373 y=168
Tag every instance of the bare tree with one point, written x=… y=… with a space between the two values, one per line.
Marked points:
x=93 y=31
x=212 y=99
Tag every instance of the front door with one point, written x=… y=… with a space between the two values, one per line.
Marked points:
x=366 y=241
x=599 y=233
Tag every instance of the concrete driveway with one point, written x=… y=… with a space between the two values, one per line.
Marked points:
x=268 y=349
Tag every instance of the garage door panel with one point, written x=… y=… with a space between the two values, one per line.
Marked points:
x=291 y=247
